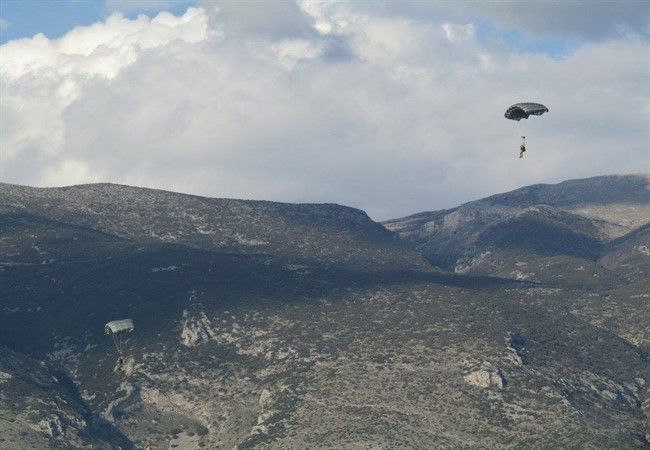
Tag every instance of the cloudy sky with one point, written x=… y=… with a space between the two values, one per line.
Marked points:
x=391 y=107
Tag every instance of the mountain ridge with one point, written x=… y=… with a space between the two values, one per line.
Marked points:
x=331 y=334
x=448 y=237
x=222 y=225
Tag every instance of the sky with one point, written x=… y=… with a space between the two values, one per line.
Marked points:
x=391 y=107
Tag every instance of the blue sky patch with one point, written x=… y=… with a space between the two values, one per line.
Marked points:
x=54 y=18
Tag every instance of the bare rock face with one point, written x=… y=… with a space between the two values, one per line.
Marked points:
x=196 y=329
x=129 y=366
x=486 y=378
x=265 y=397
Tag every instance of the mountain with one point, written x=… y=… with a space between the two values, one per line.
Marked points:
x=328 y=234
x=497 y=234
x=269 y=325
x=589 y=234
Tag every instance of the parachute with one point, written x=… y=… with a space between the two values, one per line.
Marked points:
x=117 y=329
x=520 y=111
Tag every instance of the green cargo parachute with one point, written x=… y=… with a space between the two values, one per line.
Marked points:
x=117 y=329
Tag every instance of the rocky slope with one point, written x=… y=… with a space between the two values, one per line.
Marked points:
x=590 y=235
x=324 y=234
x=40 y=408
x=262 y=325
x=628 y=255
x=495 y=235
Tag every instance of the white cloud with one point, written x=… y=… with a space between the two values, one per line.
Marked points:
x=99 y=49
x=42 y=78
x=290 y=52
x=264 y=19
x=458 y=33
x=383 y=112
x=74 y=172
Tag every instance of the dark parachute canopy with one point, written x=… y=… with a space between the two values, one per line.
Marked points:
x=520 y=111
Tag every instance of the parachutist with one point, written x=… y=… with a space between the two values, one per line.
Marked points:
x=118 y=366
x=520 y=111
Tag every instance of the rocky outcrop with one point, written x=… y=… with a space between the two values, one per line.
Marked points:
x=265 y=398
x=131 y=395
x=196 y=330
x=486 y=378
